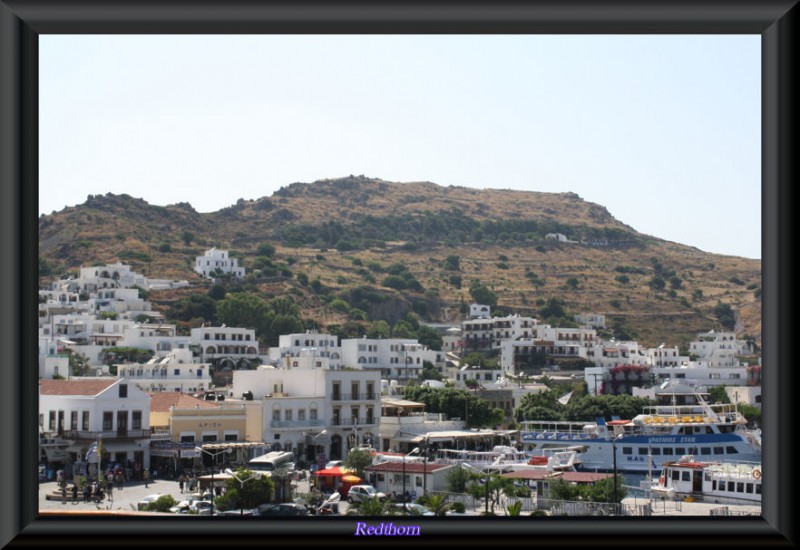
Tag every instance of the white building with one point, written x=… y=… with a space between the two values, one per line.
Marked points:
x=117 y=275
x=228 y=346
x=217 y=262
x=309 y=411
x=718 y=349
x=489 y=334
x=175 y=372
x=479 y=311
x=591 y=320
x=398 y=358
x=83 y=410
x=307 y=350
x=749 y=395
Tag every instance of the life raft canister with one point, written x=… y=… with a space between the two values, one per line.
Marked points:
x=757 y=474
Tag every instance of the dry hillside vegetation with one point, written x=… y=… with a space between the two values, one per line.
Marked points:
x=348 y=233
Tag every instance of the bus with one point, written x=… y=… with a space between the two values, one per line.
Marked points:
x=271 y=461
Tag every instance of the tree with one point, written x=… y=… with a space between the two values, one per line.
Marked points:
x=163 y=504
x=438 y=505
x=481 y=293
x=456 y=480
x=725 y=315
x=187 y=237
x=245 y=310
x=717 y=394
x=249 y=494
x=452 y=263
x=358 y=460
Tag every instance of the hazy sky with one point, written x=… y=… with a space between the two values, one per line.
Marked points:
x=664 y=131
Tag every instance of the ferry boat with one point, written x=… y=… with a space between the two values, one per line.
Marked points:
x=660 y=434
x=717 y=482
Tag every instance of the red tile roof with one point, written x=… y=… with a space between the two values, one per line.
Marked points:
x=162 y=401
x=74 y=387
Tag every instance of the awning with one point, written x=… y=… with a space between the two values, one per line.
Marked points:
x=336 y=471
x=409 y=438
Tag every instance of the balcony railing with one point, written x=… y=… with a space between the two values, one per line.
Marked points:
x=354 y=421
x=296 y=423
x=366 y=396
x=106 y=434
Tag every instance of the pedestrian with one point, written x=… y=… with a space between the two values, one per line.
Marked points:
x=146 y=476
x=119 y=480
x=86 y=492
x=74 y=494
x=63 y=493
x=181 y=481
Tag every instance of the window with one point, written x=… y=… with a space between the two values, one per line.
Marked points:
x=287 y=415
x=52 y=420
x=686 y=476
x=718 y=450
x=627 y=450
x=73 y=420
x=740 y=487
x=642 y=450
x=705 y=450
x=136 y=420
x=231 y=437
x=676 y=475
x=176 y=372
x=85 y=421
x=656 y=451
x=123 y=390
x=301 y=414
x=731 y=486
x=312 y=414
x=731 y=450
x=680 y=451
x=667 y=450
x=108 y=420
x=276 y=415
x=749 y=488
x=187 y=439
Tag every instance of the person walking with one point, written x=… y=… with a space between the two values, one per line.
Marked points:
x=146 y=477
x=181 y=482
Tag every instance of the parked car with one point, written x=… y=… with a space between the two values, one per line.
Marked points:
x=360 y=493
x=283 y=509
x=334 y=463
x=412 y=509
x=238 y=513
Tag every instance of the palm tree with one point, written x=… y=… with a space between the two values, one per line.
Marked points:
x=438 y=505
x=371 y=507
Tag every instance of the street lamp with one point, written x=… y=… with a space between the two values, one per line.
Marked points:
x=415 y=450
x=214 y=455
x=256 y=475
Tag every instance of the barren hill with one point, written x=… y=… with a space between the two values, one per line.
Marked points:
x=347 y=235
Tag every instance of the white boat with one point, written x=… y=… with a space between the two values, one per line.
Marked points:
x=716 y=482
x=662 y=433
x=52 y=447
x=507 y=459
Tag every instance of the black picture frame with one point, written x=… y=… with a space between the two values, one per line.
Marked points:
x=22 y=21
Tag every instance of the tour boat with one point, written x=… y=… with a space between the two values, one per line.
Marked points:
x=716 y=482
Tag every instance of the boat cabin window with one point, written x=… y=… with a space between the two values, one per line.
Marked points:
x=686 y=476
x=676 y=475
x=680 y=451
x=642 y=450
x=718 y=450
x=749 y=488
x=667 y=450
x=627 y=450
x=707 y=476
x=758 y=488
x=731 y=450
x=656 y=451
x=740 y=487
x=713 y=484
x=705 y=450
x=731 y=485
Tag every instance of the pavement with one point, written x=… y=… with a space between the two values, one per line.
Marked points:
x=122 y=499
x=128 y=497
